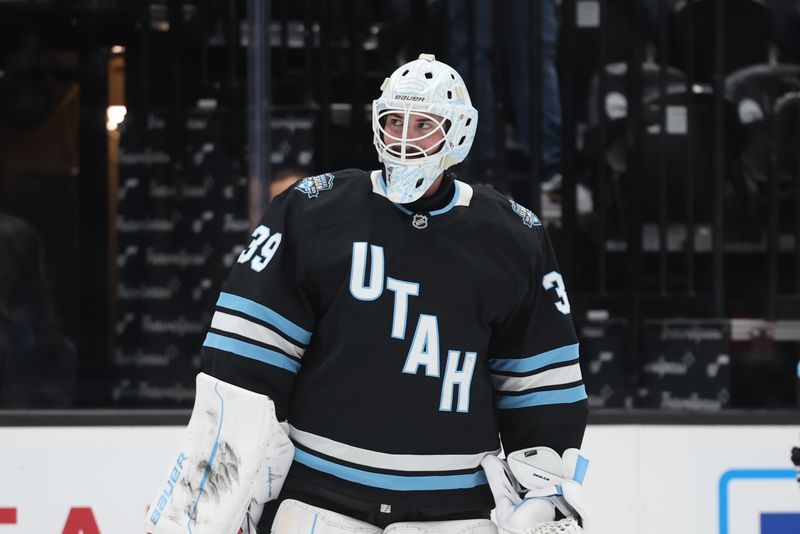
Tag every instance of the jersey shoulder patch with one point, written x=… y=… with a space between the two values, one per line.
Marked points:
x=529 y=219
x=314 y=185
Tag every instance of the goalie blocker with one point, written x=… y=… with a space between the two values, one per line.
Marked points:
x=532 y=484
x=233 y=458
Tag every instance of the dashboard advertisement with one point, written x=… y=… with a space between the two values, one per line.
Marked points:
x=641 y=479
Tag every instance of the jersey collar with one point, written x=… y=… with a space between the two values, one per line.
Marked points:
x=462 y=194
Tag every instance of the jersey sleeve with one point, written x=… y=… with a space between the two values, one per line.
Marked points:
x=533 y=359
x=263 y=320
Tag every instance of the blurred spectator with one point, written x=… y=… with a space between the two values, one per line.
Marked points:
x=37 y=362
x=280 y=182
x=786 y=23
x=283 y=180
x=516 y=43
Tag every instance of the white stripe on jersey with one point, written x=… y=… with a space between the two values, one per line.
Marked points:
x=465 y=193
x=382 y=460
x=552 y=377
x=249 y=329
x=375 y=177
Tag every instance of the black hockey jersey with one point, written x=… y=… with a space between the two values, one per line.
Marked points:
x=400 y=345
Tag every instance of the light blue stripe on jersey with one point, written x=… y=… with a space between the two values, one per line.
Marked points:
x=452 y=203
x=404 y=210
x=259 y=311
x=248 y=350
x=532 y=363
x=543 y=398
x=391 y=482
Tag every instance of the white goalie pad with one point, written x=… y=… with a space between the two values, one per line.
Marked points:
x=234 y=457
x=466 y=526
x=295 y=517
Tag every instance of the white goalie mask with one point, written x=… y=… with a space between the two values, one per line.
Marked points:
x=424 y=88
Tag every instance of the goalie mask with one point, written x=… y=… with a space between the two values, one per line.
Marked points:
x=424 y=89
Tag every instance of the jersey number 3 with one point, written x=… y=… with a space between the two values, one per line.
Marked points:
x=261 y=249
x=553 y=280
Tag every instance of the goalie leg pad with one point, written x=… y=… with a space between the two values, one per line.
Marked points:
x=466 y=526
x=295 y=517
x=234 y=456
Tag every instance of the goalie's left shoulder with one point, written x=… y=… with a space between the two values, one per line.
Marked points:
x=504 y=214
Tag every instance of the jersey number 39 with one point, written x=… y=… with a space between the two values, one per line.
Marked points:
x=261 y=249
x=553 y=280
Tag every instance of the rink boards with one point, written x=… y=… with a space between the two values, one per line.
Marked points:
x=642 y=479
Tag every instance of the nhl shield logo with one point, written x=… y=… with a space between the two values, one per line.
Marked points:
x=419 y=221
x=312 y=185
x=528 y=218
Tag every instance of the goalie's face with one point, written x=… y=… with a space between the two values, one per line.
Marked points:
x=413 y=135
